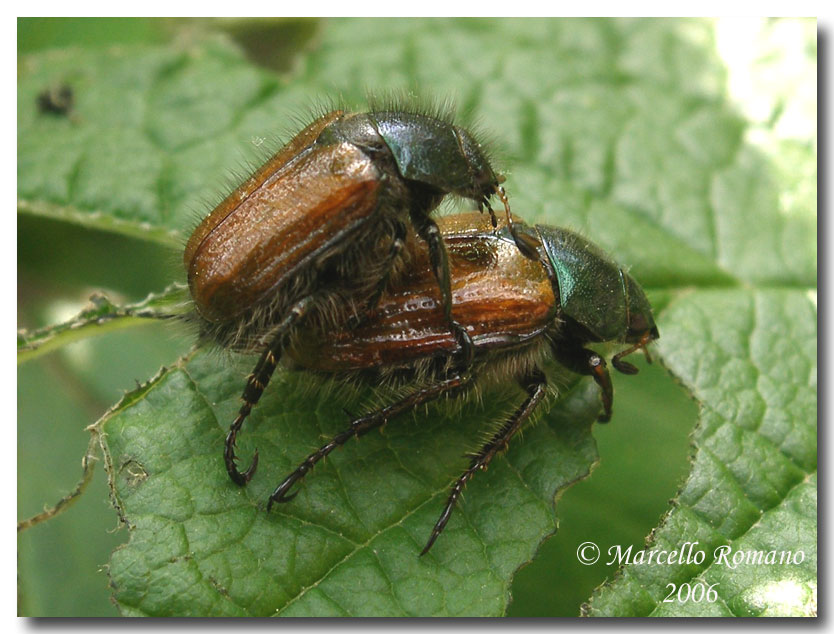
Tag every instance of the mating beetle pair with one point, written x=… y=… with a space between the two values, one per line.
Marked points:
x=306 y=259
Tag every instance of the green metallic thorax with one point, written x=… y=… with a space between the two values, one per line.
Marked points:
x=594 y=292
x=592 y=289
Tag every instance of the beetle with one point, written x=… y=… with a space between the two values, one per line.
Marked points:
x=315 y=234
x=518 y=312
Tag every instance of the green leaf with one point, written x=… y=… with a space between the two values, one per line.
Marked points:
x=626 y=130
x=750 y=358
x=202 y=546
x=133 y=158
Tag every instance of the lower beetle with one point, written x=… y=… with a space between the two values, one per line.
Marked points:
x=315 y=234
x=518 y=313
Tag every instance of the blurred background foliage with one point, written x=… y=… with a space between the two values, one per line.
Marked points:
x=62 y=563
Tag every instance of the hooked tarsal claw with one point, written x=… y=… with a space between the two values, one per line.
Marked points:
x=280 y=496
x=242 y=479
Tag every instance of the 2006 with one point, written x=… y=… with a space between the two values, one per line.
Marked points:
x=686 y=592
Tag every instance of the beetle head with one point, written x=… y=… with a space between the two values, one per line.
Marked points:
x=484 y=181
x=639 y=319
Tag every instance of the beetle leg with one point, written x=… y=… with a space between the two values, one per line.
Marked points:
x=255 y=386
x=363 y=425
x=397 y=246
x=535 y=384
x=589 y=363
x=428 y=230
x=492 y=218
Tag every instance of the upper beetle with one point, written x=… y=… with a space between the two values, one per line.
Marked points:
x=315 y=233
x=518 y=312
